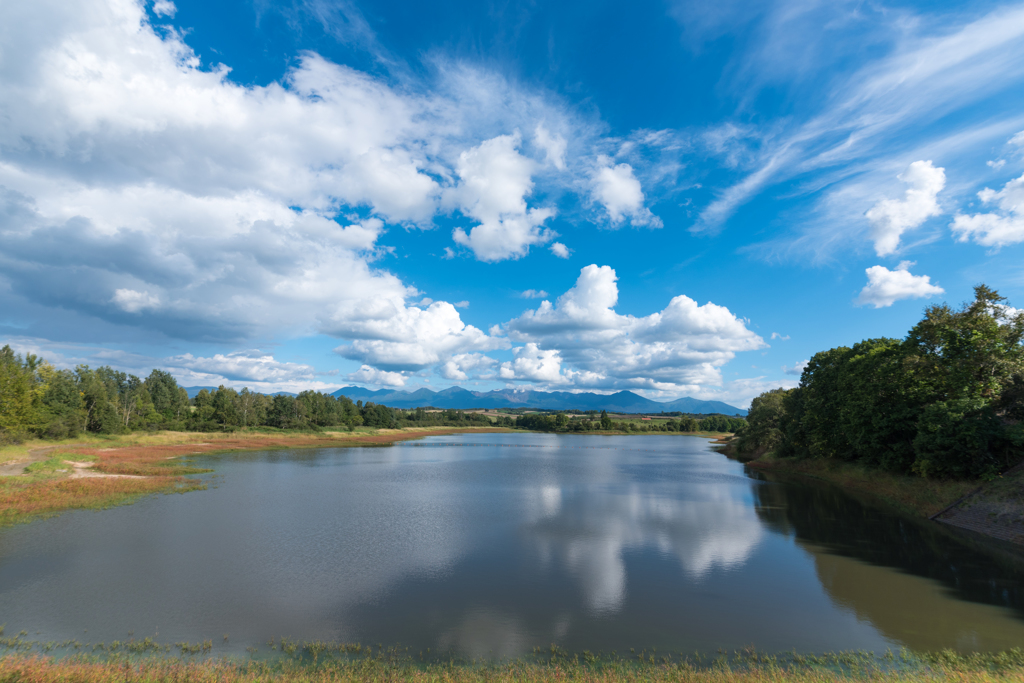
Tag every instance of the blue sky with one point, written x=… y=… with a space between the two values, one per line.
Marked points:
x=676 y=198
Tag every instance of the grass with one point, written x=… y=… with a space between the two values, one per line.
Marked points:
x=24 y=499
x=914 y=495
x=317 y=662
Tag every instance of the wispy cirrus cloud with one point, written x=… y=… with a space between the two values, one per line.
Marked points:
x=838 y=156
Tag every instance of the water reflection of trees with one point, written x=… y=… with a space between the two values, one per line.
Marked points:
x=841 y=525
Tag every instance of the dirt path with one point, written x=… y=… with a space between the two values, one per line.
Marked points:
x=17 y=467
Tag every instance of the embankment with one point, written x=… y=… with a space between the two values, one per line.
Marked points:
x=994 y=508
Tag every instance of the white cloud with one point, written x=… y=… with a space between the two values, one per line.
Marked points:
x=560 y=250
x=495 y=180
x=164 y=8
x=741 y=391
x=885 y=287
x=463 y=366
x=535 y=365
x=245 y=365
x=582 y=340
x=935 y=68
x=254 y=369
x=996 y=163
x=141 y=187
x=553 y=145
x=797 y=369
x=890 y=218
x=367 y=375
x=388 y=334
x=776 y=335
x=995 y=229
x=132 y=301
x=618 y=191
x=461 y=304
x=534 y=294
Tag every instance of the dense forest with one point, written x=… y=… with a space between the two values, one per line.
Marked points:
x=946 y=401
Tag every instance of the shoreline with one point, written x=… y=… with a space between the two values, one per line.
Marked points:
x=40 y=479
x=993 y=510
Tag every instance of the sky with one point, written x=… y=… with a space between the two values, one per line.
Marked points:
x=670 y=197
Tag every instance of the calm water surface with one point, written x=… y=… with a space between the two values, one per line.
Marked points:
x=491 y=544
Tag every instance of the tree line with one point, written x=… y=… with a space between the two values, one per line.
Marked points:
x=562 y=422
x=946 y=401
x=38 y=400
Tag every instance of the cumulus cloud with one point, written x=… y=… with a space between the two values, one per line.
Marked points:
x=581 y=339
x=245 y=365
x=560 y=250
x=616 y=188
x=533 y=294
x=995 y=229
x=255 y=369
x=885 y=287
x=495 y=180
x=142 y=188
x=890 y=218
x=389 y=335
x=367 y=375
x=797 y=369
x=534 y=364
x=464 y=366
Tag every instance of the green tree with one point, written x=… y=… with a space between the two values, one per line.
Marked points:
x=18 y=412
x=765 y=422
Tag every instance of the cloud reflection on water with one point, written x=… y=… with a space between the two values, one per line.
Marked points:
x=590 y=530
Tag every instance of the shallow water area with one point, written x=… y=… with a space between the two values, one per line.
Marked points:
x=488 y=545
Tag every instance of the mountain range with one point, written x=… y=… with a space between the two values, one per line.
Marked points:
x=457 y=397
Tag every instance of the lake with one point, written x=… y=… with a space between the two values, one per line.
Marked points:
x=487 y=545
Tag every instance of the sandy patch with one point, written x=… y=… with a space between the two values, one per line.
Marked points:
x=80 y=470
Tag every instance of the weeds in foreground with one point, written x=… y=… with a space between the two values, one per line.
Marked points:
x=318 y=661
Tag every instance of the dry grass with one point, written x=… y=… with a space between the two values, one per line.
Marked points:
x=117 y=670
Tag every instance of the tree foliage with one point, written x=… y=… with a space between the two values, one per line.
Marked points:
x=946 y=401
